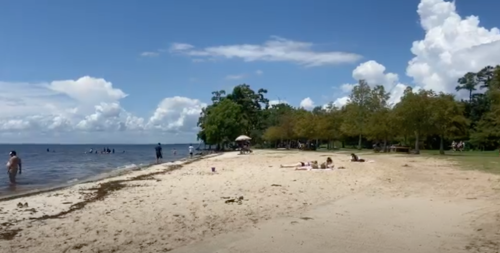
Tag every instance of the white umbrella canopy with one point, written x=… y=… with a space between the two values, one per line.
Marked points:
x=243 y=138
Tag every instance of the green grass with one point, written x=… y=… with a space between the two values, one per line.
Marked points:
x=487 y=161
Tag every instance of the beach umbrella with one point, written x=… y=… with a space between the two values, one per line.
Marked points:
x=243 y=138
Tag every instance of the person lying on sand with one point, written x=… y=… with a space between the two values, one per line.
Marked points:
x=300 y=164
x=355 y=158
x=312 y=166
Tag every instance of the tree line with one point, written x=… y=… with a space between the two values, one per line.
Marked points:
x=422 y=119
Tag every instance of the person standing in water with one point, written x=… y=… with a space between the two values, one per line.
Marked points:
x=13 y=165
x=174 y=152
x=159 y=156
x=191 y=150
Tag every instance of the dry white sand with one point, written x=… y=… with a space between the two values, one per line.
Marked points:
x=393 y=204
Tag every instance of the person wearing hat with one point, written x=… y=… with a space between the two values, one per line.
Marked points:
x=13 y=165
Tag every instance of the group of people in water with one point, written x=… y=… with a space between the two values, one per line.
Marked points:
x=311 y=165
x=103 y=151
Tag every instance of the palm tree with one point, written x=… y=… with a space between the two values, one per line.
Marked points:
x=468 y=82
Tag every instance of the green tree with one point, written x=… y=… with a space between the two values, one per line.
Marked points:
x=379 y=124
x=223 y=122
x=304 y=126
x=357 y=111
x=252 y=104
x=447 y=118
x=273 y=134
x=487 y=131
x=485 y=76
x=468 y=82
x=328 y=123
x=413 y=114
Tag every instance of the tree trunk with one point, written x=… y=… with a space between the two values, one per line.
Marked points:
x=417 y=150
x=385 y=145
x=441 y=145
x=359 y=142
x=470 y=96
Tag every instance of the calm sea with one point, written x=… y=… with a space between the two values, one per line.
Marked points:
x=70 y=164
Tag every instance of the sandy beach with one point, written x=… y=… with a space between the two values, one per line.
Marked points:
x=390 y=204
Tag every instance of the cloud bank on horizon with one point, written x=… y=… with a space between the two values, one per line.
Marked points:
x=452 y=45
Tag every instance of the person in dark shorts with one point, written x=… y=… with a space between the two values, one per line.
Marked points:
x=159 y=156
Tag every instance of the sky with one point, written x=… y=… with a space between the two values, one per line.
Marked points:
x=141 y=71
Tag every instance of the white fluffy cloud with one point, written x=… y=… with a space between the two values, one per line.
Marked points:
x=274 y=50
x=176 y=114
x=86 y=105
x=259 y=72
x=374 y=73
x=339 y=102
x=307 y=103
x=451 y=47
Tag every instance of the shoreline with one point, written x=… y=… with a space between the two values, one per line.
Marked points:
x=94 y=179
x=97 y=190
x=186 y=207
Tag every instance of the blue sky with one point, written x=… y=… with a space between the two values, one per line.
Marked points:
x=44 y=41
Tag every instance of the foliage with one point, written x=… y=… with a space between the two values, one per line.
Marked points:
x=447 y=118
x=421 y=117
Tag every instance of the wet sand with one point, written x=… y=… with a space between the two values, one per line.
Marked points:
x=391 y=203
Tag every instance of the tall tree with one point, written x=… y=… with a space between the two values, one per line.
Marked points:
x=251 y=103
x=447 y=118
x=485 y=76
x=487 y=132
x=468 y=82
x=414 y=112
x=357 y=111
x=223 y=122
x=305 y=125
x=217 y=96
x=378 y=120
x=273 y=134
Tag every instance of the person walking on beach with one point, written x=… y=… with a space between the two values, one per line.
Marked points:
x=158 y=153
x=191 y=150
x=13 y=165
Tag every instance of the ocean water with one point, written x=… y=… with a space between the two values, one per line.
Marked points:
x=70 y=164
